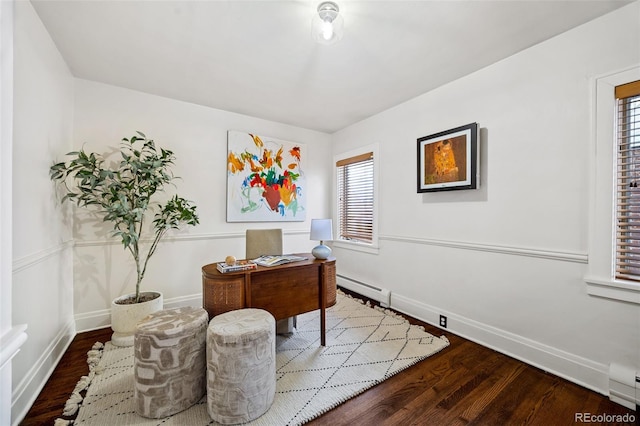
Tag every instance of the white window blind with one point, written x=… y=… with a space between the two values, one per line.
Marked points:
x=628 y=182
x=355 y=198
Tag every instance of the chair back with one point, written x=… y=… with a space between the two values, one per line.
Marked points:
x=263 y=241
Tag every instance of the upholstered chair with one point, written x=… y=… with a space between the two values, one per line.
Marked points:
x=268 y=242
x=263 y=241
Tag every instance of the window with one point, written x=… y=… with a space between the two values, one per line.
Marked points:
x=356 y=197
x=627 y=179
x=613 y=269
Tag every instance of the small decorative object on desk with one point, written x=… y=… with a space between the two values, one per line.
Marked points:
x=238 y=265
x=277 y=260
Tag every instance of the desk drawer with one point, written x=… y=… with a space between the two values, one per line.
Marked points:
x=286 y=294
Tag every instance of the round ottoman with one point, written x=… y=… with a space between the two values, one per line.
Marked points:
x=241 y=365
x=170 y=361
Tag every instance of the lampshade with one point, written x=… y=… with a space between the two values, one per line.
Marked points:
x=321 y=229
x=328 y=24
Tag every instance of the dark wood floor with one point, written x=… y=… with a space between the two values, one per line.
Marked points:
x=464 y=384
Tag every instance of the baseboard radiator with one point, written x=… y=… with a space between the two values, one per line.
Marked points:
x=624 y=386
x=381 y=295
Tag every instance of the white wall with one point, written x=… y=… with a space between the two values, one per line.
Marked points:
x=66 y=270
x=506 y=262
x=11 y=337
x=42 y=258
x=198 y=136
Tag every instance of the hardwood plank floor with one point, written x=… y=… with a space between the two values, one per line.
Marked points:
x=465 y=384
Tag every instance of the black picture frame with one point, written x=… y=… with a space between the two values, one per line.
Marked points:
x=448 y=160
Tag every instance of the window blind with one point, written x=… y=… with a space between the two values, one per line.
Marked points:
x=627 y=262
x=355 y=198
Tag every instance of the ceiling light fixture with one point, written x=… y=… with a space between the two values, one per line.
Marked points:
x=328 y=24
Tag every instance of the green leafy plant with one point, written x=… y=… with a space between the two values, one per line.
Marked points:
x=122 y=193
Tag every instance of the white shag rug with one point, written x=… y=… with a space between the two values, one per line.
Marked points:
x=365 y=346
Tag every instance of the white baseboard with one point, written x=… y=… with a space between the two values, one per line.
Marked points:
x=26 y=392
x=100 y=319
x=582 y=371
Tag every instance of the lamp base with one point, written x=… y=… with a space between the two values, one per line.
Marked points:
x=321 y=252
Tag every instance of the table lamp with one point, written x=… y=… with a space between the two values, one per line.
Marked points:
x=321 y=230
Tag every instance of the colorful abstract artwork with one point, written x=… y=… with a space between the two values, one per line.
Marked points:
x=448 y=160
x=265 y=179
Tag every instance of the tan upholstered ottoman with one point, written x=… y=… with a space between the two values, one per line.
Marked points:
x=241 y=365
x=170 y=361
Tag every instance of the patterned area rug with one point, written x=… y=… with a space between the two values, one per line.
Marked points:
x=365 y=346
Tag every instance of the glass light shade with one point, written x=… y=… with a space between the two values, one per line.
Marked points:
x=328 y=24
x=327 y=30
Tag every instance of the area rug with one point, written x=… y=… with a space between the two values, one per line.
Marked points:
x=365 y=346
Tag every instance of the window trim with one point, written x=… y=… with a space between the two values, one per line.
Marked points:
x=357 y=245
x=600 y=274
x=627 y=243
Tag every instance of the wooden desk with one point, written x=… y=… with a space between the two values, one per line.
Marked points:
x=284 y=290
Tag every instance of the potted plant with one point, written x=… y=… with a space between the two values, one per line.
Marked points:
x=122 y=193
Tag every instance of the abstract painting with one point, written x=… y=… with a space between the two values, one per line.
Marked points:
x=448 y=160
x=265 y=179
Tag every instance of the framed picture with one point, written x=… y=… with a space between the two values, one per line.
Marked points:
x=265 y=179
x=448 y=160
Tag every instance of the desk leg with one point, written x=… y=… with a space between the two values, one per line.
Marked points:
x=323 y=338
x=323 y=305
x=247 y=291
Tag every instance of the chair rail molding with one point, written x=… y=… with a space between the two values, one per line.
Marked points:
x=565 y=256
x=181 y=238
x=30 y=260
x=10 y=343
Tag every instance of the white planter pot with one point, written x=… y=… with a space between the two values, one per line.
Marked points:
x=125 y=318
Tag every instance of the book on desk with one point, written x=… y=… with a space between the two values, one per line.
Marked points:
x=273 y=260
x=239 y=265
x=284 y=290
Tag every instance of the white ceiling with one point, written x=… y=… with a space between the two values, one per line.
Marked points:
x=258 y=57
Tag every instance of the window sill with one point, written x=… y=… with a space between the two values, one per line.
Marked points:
x=348 y=245
x=624 y=291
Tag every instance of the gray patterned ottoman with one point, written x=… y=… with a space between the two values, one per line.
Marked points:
x=241 y=365
x=170 y=361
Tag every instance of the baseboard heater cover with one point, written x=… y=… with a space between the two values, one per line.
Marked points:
x=624 y=386
x=381 y=295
